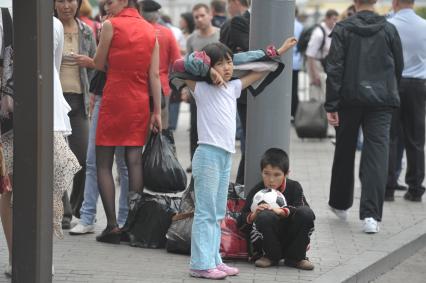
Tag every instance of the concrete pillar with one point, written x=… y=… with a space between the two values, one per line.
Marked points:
x=33 y=141
x=268 y=115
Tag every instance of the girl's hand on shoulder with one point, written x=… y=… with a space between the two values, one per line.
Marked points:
x=217 y=78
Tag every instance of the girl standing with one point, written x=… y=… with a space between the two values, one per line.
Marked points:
x=216 y=125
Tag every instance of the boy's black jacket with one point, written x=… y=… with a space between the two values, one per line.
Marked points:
x=293 y=194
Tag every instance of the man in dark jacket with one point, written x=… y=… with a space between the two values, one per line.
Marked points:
x=235 y=34
x=363 y=70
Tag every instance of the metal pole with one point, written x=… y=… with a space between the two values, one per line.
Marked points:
x=33 y=147
x=268 y=115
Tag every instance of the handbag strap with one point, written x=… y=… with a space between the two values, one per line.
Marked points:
x=181 y=216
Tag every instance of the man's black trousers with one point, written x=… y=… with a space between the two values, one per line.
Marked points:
x=286 y=237
x=375 y=123
x=411 y=118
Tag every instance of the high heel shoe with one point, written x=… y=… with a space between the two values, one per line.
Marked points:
x=110 y=235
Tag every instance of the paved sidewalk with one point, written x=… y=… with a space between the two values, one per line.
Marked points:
x=334 y=245
x=411 y=270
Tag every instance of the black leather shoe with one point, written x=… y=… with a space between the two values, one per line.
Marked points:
x=410 y=197
x=110 y=235
x=389 y=194
x=66 y=224
x=401 y=188
x=389 y=198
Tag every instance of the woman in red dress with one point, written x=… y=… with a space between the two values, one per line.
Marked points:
x=129 y=52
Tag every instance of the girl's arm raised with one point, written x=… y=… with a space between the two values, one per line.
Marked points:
x=252 y=77
x=287 y=44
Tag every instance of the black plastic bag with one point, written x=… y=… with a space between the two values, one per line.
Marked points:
x=149 y=220
x=179 y=234
x=161 y=170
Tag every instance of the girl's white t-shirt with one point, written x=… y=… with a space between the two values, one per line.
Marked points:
x=216 y=113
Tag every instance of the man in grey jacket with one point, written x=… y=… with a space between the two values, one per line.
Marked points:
x=364 y=67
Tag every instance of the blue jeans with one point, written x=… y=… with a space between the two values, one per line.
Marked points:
x=91 y=189
x=211 y=168
x=173 y=115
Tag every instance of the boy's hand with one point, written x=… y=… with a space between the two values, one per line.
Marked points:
x=279 y=212
x=263 y=206
x=287 y=44
x=259 y=208
x=217 y=78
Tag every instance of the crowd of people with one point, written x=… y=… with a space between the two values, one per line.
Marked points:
x=112 y=91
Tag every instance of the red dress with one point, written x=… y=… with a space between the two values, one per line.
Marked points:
x=124 y=111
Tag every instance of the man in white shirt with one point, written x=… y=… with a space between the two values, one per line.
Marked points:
x=318 y=47
x=412 y=92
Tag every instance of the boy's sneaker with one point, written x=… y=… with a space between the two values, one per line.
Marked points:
x=370 y=225
x=230 y=271
x=303 y=264
x=81 y=229
x=264 y=262
x=213 y=273
x=340 y=213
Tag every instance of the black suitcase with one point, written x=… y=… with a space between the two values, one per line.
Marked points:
x=311 y=120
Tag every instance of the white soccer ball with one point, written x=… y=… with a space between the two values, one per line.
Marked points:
x=270 y=196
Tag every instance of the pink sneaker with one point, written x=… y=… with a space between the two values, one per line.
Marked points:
x=213 y=273
x=230 y=271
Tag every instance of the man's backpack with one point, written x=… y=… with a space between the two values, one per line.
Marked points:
x=305 y=36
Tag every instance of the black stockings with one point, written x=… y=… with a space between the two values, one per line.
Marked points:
x=104 y=161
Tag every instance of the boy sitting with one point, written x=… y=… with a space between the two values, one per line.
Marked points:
x=279 y=233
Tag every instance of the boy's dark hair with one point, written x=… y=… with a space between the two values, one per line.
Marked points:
x=276 y=158
x=217 y=51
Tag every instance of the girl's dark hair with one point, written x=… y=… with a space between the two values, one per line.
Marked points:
x=76 y=13
x=276 y=158
x=217 y=51
x=189 y=19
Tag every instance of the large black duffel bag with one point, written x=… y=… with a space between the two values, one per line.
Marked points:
x=311 y=120
x=149 y=219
